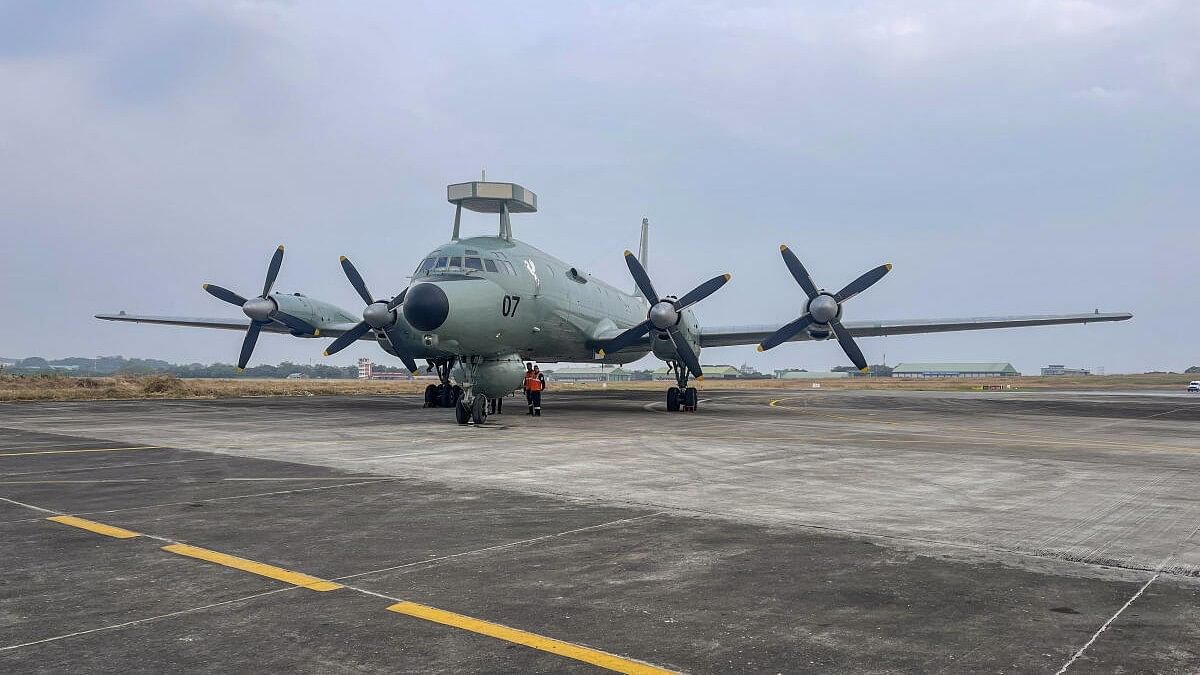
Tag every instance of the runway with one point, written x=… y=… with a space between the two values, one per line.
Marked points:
x=772 y=531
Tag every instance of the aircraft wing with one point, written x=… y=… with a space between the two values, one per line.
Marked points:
x=728 y=336
x=224 y=324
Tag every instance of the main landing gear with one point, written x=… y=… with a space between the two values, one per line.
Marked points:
x=444 y=395
x=681 y=397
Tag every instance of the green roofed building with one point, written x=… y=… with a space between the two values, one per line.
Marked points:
x=591 y=374
x=710 y=372
x=931 y=370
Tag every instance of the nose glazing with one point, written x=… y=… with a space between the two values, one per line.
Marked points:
x=426 y=306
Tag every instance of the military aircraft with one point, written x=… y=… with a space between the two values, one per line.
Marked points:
x=476 y=309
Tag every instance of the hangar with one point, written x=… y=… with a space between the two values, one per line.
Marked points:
x=932 y=370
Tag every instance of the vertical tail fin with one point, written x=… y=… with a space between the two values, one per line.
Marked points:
x=643 y=249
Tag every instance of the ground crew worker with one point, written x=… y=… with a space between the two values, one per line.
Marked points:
x=534 y=382
x=525 y=387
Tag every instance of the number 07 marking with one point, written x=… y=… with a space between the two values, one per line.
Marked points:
x=508 y=307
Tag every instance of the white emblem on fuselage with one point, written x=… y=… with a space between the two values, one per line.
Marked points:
x=532 y=271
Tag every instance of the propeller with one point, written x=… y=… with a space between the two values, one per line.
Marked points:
x=378 y=315
x=261 y=309
x=824 y=308
x=664 y=314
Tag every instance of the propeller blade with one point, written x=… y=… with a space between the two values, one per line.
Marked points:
x=625 y=339
x=862 y=283
x=296 y=324
x=248 y=344
x=641 y=278
x=346 y=339
x=701 y=292
x=798 y=272
x=356 y=280
x=224 y=294
x=785 y=333
x=273 y=270
x=849 y=345
x=685 y=352
x=398 y=300
x=396 y=339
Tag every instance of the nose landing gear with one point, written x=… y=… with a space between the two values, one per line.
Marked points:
x=681 y=397
x=444 y=395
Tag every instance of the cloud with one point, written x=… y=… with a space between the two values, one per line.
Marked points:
x=999 y=153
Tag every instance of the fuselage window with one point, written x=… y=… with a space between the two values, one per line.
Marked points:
x=441 y=263
x=456 y=261
x=490 y=265
x=474 y=264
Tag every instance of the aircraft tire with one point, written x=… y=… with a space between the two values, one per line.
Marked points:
x=690 y=398
x=446 y=396
x=431 y=396
x=478 y=411
x=461 y=413
x=673 y=399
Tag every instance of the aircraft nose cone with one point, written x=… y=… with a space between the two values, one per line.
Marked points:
x=426 y=306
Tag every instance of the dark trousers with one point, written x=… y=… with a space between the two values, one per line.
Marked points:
x=535 y=400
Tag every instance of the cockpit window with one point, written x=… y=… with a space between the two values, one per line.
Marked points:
x=456 y=261
x=474 y=264
x=490 y=265
x=441 y=263
x=427 y=265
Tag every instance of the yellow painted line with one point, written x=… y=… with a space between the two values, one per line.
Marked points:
x=93 y=526
x=571 y=651
x=71 y=452
x=261 y=569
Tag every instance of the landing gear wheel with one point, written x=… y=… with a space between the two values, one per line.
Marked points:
x=673 y=399
x=690 y=399
x=431 y=396
x=478 y=411
x=461 y=413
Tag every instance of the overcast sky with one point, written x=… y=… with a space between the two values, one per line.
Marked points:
x=1008 y=157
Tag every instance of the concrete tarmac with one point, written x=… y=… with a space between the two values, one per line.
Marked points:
x=782 y=531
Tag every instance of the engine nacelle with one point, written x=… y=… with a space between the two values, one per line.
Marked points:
x=493 y=378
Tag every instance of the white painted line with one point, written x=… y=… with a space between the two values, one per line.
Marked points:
x=30 y=506
x=146 y=620
x=497 y=547
x=1103 y=628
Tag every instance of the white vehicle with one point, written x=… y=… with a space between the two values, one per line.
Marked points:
x=1194 y=386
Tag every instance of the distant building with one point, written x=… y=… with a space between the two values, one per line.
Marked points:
x=932 y=370
x=591 y=374
x=366 y=371
x=710 y=372
x=1059 y=369
x=805 y=375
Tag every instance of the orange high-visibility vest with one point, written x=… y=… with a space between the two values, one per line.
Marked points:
x=532 y=383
